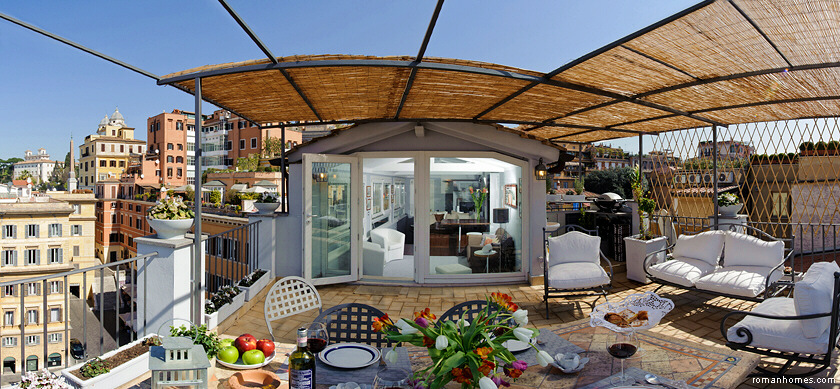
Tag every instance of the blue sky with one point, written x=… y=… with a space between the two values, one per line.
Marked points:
x=49 y=90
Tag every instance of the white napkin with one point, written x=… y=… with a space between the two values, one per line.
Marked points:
x=568 y=361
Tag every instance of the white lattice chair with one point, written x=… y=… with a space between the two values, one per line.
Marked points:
x=287 y=297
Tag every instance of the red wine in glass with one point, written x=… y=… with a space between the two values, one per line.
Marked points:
x=316 y=345
x=622 y=350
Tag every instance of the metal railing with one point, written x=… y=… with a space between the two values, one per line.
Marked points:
x=231 y=255
x=44 y=327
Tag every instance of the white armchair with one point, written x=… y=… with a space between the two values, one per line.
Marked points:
x=373 y=259
x=392 y=241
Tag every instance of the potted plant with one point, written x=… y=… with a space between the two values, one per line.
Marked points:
x=42 y=380
x=637 y=247
x=171 y=218
x=267 y=203
x=253 y=283
x=222 y=304
x=478 y=197
x=114 y=368
x=202 y=336
x=471 y=354
x=729 y=204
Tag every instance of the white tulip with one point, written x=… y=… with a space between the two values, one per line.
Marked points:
x=442 y=342
x=521 y=317
x=523 y=334
x=406 y=328
x=464 y=322
x=391 y=357
x=486 y=383
x=543 y=358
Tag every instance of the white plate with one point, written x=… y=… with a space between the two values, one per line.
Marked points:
x=516 y=346
x=239 y=365
x=349 y=355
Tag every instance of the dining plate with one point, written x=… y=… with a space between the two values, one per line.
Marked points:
x=516 y=346
x=349 y=355
x=239 y=365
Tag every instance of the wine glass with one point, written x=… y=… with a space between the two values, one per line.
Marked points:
x=317 y=337
x=392 y=378
x=622 y=346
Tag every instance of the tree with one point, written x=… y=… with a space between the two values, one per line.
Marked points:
x=189 y=193
x=7 y=168
x=272 y=147
x=215 y=197
x=616 y=180
x=249 y=163
x=24 y=175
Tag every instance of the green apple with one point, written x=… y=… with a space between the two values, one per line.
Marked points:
x=225 y=343
x=253 y=357
x=228 y=354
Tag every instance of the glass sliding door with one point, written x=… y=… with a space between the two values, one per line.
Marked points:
x=329 y=193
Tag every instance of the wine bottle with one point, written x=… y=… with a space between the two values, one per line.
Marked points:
x=302 y=364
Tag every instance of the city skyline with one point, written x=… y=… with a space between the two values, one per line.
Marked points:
x=60 y=90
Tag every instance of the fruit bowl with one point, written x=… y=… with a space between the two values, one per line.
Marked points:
x=239 y=365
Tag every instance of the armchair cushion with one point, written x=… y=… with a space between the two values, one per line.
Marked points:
x=373 y=259
x=745 y=250
x=705 y=246
x=682 y=271
x=574 y=246
x=781 y=335
x=812 y=294
x=747 y=281
x=577 y=275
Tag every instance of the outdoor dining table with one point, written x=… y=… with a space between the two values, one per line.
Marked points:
x=701 y=366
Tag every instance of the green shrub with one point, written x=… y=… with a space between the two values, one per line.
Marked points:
x=200 y=335
x=94 y=367
x=822 y=145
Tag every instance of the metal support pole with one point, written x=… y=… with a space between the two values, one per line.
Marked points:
x=641 y=153
x=283 y=194
x=715 y=171
x=196 y=316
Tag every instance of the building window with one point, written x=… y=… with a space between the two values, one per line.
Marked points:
x=75 y=251
x=32 y=340
x=180 y=147
x=157 y=173
x=103 y=163
x=781 y=204
x=113 y=148
x=169 y=172
x=33 y=289
x=253 y=143
x=180 y=172
x=55 y=337
x=76 y=230
x=32 y=230
x=190 y=146
x=9 y=258
x=9 y=291
x=122 y=148
x=77 y=209
x=55 y=287
x=9 y=318
x=55 y=255
x=170 y=146
x=54 y=230
x=102 y=148
x=9 y=232
x=242 y=144
x=55 y=315
x=179 y=159
x=32 y=257
x=179 y=126
x=137 y=224
x=9 y=342
x=32 y=318
x=113 y=163
x=122 y=163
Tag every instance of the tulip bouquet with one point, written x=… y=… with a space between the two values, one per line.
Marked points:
x=471 y=354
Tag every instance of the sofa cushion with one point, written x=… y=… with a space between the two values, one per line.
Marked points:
x=747 y=281
x=705 y=246
x=812 y=294
x=745 y=250
x=577 y=275
x=574 y=246
x=681 y=271
x=781 y=335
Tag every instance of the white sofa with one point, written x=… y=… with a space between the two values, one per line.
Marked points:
x=778 y=327
x=722 y=262
x=391 y=241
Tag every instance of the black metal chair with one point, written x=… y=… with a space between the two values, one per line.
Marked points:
x=589 y=290
x=353 y=323
x=467 y=310
x=819 y=361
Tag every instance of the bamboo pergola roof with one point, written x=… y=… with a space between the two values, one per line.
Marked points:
x=720 y=62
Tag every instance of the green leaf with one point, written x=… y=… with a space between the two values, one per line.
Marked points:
x=454 y=361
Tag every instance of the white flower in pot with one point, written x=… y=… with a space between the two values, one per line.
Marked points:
x=267 y=203
x=171 y=218
x=729 y=204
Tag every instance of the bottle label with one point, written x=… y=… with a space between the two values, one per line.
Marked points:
x=300 y=379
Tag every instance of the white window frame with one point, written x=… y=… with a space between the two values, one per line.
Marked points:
x=8 y=290
x=54 y=230
x=32 y=231
x=9 y=341
x=30 y=314
x=55 y=287
x=242 y=144
x=32 y=257
x=32 y=289
x=9 y=257
x=76 y=230
x=254 y=143
x=33 y=340
x=9 y=318
x=55 y=255
x=9 y=232
x=54 y=337
x=57 y=317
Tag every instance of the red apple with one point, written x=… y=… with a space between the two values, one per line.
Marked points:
x=245 y=343
x=266 y=346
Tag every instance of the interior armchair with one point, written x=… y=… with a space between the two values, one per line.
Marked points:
x=391 y=241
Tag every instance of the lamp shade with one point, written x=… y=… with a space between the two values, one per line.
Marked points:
x=540 y=171
x=501 y=215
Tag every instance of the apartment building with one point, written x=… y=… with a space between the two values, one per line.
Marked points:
x=38 y=166
x=105 y=155
x=729 y=148
x=172 y=137
x=227 y=137
x=41 y=235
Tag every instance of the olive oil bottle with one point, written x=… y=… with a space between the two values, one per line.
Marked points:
x=302 y=364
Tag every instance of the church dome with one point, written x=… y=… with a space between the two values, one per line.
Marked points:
x=104 y=121
x=117 y=115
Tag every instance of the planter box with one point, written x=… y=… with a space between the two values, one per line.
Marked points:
x=120 y=375
x=636 y=250
x=252 y=291
x=213 y=319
